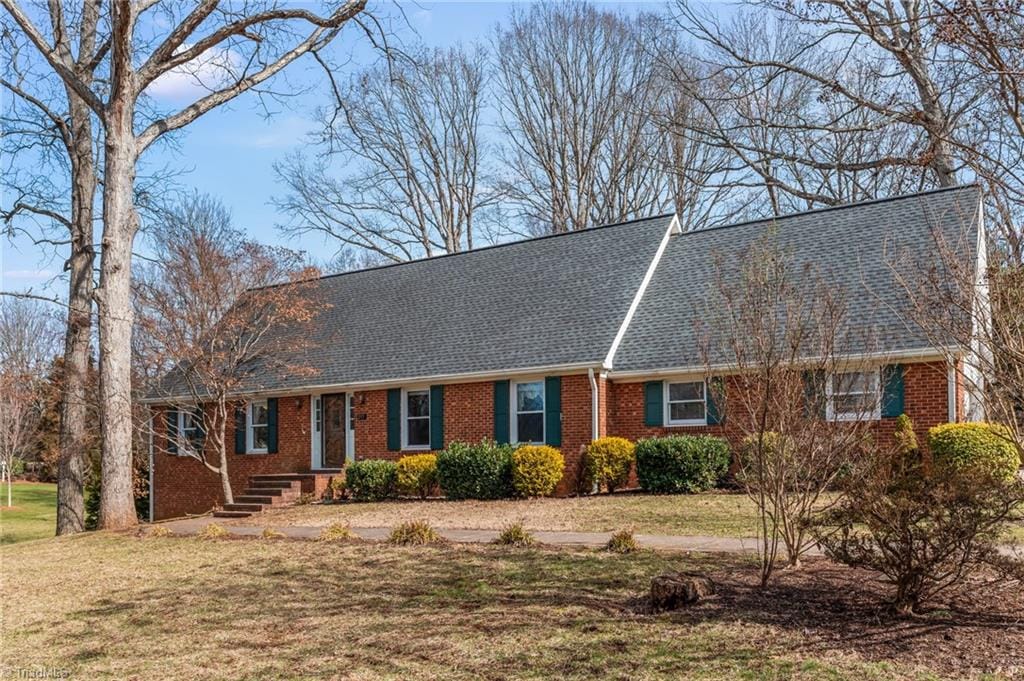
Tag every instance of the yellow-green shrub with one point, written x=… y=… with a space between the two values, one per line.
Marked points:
x=515 y=535
x=336 y=532
x=977 y=448
x=623 y=541
x=536 y=470
x=417 y=475
x=607 y=463
x=414 y=533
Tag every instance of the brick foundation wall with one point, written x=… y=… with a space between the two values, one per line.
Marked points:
x=183 y=485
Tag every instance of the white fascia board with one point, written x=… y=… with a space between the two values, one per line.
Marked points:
x=468 y=377
x=922 y=355
x=674 y=228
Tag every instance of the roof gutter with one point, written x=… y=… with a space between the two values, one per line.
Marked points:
x=674 y=228
x=920 y=355
x=468 y=377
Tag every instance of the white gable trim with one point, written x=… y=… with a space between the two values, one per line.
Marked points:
x=674 y=228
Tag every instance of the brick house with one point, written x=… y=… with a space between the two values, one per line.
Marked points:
x=562 y=339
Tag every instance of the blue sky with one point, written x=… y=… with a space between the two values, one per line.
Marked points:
x=230 y=152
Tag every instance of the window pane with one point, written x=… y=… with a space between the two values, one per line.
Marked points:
x=418 y=403
x=686 y=391
x=686 y=411
x=259 y=437
x=530 y=427
x=530 y=396
x=854 y=382
x=419 y=432
x=259 y=413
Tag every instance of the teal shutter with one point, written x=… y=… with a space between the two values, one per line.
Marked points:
x=892 y=391
x=553 y=411
x=712 y=389
x=814 y=394
x=240 y=429
x=172 y=430
x=654 y=410
x=272 y=425
x=437 y=417
x=394 y=419
x=501 y=423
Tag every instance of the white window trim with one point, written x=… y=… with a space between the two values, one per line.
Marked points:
x=682 y=423
x=184 y=443
x=249 y=449
x=830 y=408
x=513 y=411
x=405 y=419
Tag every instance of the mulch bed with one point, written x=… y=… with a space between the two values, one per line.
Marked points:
x=829 y=607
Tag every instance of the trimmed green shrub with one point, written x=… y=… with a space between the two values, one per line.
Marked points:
x=371 y=479
x=536 y=470
x=977 y=448
x=623 y=541
x=607 y=463
x=414 y=533
x=482 y=470
x=515 y=535
x=417 y=475
x=681 y=463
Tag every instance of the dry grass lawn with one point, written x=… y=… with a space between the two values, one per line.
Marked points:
x=713 y=514
x=106 y=606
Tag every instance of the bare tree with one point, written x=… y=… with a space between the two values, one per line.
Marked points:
x=211 y=308
x=28 y=343
x=52 y=118
x=795 y=397
x=577 y=101
x=244 y=44
x=410 y=138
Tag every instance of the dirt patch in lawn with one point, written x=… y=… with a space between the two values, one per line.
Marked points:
x=832 y=608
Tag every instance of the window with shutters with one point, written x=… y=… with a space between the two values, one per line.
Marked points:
x=527 y=422
x=257 y=427
x=686 y=403
x=190 y=430
x=416 y=419
x=854 y=395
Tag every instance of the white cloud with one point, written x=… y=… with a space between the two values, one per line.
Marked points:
x=209 y=71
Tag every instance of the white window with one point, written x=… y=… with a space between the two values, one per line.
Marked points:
x=528 y=415
x=190 y=429
x=416 y=419
x=854 y=395
x=257 y=426
x=686 y=403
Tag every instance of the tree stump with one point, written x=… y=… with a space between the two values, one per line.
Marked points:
x=673 y=590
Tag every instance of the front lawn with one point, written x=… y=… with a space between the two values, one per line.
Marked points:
x=115 y=606
x=34 y=515
x=713 y=514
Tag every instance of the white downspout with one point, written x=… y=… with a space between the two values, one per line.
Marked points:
x=594 y=404
x=149 y=412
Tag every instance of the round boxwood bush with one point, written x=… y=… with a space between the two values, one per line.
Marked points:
x=536 y=470
x=417 y=475
x=371 y=479
x=979 y=448
x=607 y=463
x=681 y=463
x=481 y=470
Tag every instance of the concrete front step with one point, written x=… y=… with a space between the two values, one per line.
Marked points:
x=231 y=514
x=248 y=508
x=275 y=484
x=271 y=492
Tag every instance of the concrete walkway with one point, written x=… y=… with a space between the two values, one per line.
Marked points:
x=589 y=539
x=662 y=542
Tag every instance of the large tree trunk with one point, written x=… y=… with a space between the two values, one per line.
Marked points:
x=120 y=223
x=73 y=462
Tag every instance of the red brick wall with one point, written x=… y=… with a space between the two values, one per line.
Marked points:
x=183 y=485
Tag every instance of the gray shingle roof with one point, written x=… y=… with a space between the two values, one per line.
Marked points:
x=541 y=302
x=851 y=246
